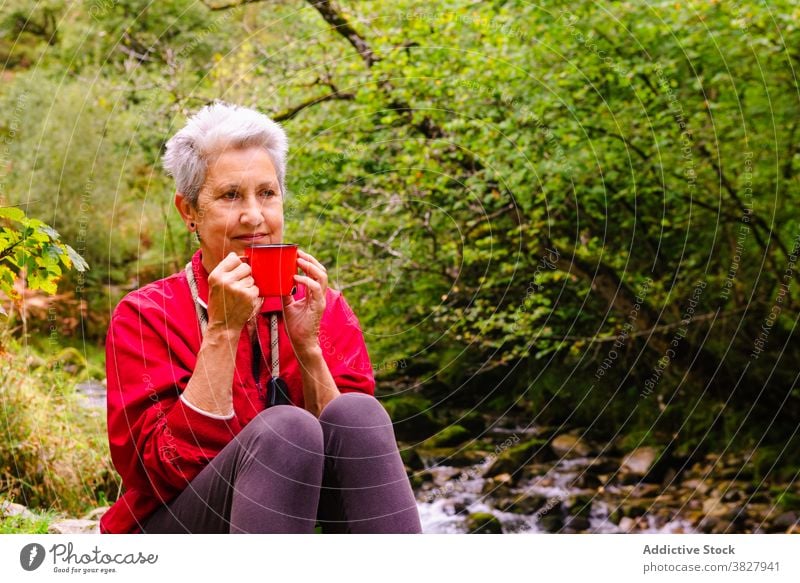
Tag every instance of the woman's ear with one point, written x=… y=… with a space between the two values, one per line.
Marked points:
x=188 y=212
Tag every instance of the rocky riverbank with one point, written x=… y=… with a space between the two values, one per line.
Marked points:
x=17 y=515
x=473 y=474
x=528 y=480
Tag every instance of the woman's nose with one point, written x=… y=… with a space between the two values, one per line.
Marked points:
x=251 y=214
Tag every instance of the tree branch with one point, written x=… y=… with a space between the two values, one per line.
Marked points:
x=331 y=14
x=656 y=330
x=342 y=26
x=8 y=250
x=229 y=6
x=609 y=286
x=293 y=111
x=757 y=221
x=620 y=137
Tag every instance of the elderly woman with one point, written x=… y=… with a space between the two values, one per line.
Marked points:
x=233 y=413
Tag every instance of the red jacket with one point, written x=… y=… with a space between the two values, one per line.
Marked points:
x=158 y=442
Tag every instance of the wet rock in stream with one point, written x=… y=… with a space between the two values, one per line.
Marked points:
x=526 y=487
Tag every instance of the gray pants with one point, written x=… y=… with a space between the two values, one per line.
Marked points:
x=287 y=470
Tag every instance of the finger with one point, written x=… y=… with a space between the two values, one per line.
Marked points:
x=314 y=289
x=231 y=264
x=311 y=258
x=313 y=269
x=251 y=294
x=240 y=272
x=230 y=261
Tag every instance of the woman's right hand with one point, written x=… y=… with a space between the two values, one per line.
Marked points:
x=232 y=294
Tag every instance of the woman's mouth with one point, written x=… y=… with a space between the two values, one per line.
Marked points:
x=253 y=237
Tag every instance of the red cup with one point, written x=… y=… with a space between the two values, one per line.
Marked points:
x=274 y=267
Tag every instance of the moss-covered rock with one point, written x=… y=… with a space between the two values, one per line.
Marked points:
x=417 y=479
x=484 y=523
x=473 y=422
x=580 y=506
x=498 y=487
x=411 y=458
x=448 y=437
x=635 y=507
x=788 y=500
x=515 y=457
x=551 y=521
x=521 y=503
x=451 y=456
x=412 y=416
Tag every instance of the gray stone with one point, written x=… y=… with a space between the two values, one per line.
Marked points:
x=74 y=526
x=639 y=461
x=9 y=509
x=96 y=514
x=552 y=521
x=784 y=521
x=576 y=524
x=570 y=446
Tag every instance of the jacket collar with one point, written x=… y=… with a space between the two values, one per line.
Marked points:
x=272 y=304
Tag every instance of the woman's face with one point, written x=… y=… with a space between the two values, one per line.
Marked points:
x=240 y=203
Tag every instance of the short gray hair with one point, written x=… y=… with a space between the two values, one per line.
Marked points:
x=213 y=129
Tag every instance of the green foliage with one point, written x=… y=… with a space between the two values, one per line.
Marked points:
x=31 y=247
x=53 y=451
x=492 y=194
x=36 y=524
x=788 y=501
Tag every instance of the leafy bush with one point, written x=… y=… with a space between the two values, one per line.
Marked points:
x=36 y=524
x=53 y=450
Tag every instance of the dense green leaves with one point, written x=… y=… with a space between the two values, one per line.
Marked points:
x=507 y=183
x=30 y=247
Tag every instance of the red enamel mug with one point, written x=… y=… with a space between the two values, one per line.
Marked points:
x=273 y=266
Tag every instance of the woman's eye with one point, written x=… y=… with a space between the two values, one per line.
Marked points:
x=231 y=195
x=268 y=193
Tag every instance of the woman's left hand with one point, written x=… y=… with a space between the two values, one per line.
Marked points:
x=303 y=316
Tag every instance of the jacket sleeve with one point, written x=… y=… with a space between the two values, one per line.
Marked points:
x=158 y=443
x=344 y=349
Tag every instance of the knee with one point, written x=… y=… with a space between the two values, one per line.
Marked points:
x=356 y=410
x=284 y=428
x=357 y=424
